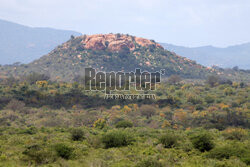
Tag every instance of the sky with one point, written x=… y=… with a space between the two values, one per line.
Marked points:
x=189 y=23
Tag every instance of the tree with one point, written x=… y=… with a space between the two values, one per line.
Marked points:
x=72 y=37
x=212 y=80
x=147 y=110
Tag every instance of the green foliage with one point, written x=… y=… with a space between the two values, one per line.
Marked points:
x=30 y=130
x=169 y=140
x=124 y=124
x=77 y=134
x=117 y=138
x=194 y=99
x=65 y=107
x=212 y=80
x=64 y=151
x=209 y=99
x=230 y=150
x=149 y=163
x=39 y=154
x=202 y=141
x=235 y=134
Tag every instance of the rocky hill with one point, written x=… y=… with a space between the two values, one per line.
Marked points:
x=108 y=52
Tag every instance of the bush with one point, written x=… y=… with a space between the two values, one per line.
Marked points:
x=194 y=99
x=202 y=142
x=117 y=139
x=100 y=123
x=77 y=134
x=124 y=124
x=149 y=163
x=30 y=131
x=235 y=134
x=212 y=80
x=209 y=99
x=15 y=105
x=64 y=151
x=229 y=150
x=39 y=154
x=168 y=140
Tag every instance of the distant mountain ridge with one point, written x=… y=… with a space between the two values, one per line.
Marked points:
x=238 y=55
x=24 y=44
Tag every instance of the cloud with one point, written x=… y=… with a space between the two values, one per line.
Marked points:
x=183 y=22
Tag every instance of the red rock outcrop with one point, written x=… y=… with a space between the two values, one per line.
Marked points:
x=115 y=42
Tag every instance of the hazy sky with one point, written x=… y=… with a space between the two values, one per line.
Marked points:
x=181 y=22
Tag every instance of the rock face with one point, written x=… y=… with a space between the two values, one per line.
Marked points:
x=115 y=42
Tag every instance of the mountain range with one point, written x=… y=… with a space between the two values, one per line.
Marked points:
x=24 y=44
x=19 y=43
x=238 y=55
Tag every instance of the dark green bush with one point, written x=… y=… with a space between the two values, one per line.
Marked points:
x=168 y=140
x=149 y=163
x=117 y=139
x=77 y=134
x=202 y=141
x=229 y=150
x=64 y=151
x=30 y=131
x=124 y=124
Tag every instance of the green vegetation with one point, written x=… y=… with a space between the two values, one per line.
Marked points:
x=45 y=123
x=168 y=140
x=124 y=124
x=117 y=139
x=77 y=134
x=203 y=142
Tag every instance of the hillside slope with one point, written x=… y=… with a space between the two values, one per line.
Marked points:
x=24 y=44
x=110 y=52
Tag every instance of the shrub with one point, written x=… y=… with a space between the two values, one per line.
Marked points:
x=124 y=124
x=229 y=150
x=77 y=134
x=212 y=80
x=149 y=163
x=228 y=91
x=100 y=123
x=39 y=154
x=209 y=99
x=64 y=151
x=168 y=140
x=117 y=139
x=15 y=105
x=30 y=131
x=194 y=99
x=235 y=134
x=202 y=142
